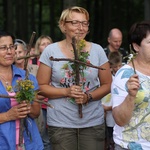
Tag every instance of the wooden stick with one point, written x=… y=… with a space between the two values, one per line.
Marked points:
x=41 y=101
x=36 y=100
x=77 y=74
x=29 y=49
x=77 y=61
x=24 y=57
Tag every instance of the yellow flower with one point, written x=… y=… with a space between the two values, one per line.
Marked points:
x=25 y=90
x=9 y=88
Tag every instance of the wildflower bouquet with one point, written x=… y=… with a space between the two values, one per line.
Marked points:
x=82 y=57
x=75 y=67
x=25 y=91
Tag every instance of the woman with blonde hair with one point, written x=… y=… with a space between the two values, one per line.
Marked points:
x=65 y=127
x=42 y=42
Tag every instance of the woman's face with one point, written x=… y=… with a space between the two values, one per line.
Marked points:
x=78 y=28
x=6 y=55
x=144 y=49
x=19 y=53
x=44 y=43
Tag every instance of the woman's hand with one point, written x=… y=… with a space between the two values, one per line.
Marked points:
x=133 y=85
x=76 y=92
x=123 y=113
x=19 y=111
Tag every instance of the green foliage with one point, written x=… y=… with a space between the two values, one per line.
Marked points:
x=42 y=17
x=25 y=91
x=82 y=56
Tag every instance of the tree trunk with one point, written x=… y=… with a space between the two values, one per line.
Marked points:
x=8 y=15
x=147 y=9
x=69 y=3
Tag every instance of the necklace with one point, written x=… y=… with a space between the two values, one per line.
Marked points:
x=6 y=84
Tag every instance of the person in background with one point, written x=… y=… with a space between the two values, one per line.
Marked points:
x=40 y=45
x=42 y=42
x=131 y=93
x=10 y=113
x=114 y=44
x=66 y=129
x=115 y=60
x=32 y=67
x=19 y=52
x=33 y=63
x=33 y=60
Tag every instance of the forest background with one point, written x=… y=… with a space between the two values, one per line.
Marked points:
x=22 y=17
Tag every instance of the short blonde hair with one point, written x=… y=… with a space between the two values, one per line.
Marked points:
x=67 y=13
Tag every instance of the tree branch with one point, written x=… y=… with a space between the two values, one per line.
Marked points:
x=28 y=56
x=36 y=100
x=77 y=61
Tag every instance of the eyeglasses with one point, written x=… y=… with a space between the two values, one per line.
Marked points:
x=5 y=48
x=77 y=23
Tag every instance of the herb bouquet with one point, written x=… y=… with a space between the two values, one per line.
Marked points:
x=78 y=64
x=25 y=92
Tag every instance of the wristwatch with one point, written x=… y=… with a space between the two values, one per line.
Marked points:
x=90 y=98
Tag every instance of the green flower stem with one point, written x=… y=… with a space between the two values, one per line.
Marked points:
x=131 y=51
x=133 y=65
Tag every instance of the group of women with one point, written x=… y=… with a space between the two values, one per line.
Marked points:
x=56 y=81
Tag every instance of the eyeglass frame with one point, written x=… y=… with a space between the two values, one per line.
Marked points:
x=78 y=23
x=5 y=48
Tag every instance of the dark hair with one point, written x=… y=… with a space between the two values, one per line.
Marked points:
x=5 y=33
x=138 y=32
x=114 y=58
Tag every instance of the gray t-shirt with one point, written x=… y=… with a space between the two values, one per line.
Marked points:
x=65 y=112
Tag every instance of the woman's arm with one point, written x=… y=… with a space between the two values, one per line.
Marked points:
x=44 y=77
x=105 y=78
x=123 y=113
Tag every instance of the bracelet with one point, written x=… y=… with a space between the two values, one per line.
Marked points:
x=89 y=97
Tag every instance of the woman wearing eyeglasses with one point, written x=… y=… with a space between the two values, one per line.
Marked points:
x=66 y=128
x=10 y=110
